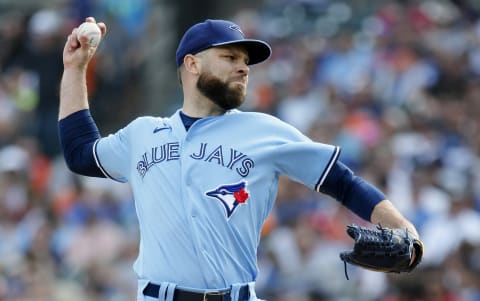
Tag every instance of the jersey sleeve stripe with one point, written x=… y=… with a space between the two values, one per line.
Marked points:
x=333 y=159
x=95 y=155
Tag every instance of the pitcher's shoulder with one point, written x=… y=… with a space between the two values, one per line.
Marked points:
x=266 y=124
x=148 y=122
x=257 y=117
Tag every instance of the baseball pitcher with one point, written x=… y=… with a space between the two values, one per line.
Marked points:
x=205 y=179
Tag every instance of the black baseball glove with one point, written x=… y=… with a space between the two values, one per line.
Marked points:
x=383 y=249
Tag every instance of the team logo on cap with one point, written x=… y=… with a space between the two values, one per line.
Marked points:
x=230 y=195
x=237 y=28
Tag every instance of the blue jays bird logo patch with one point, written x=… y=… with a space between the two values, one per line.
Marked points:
x=230 y=195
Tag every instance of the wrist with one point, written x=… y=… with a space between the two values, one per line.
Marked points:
x=72 y=68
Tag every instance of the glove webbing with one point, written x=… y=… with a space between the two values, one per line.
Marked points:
x=379 y=227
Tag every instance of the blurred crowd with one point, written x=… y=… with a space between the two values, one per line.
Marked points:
x=396 y=84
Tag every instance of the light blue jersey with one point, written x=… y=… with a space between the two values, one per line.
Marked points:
x=202 y=196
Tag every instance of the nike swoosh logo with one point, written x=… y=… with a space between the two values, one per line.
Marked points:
x=158 y=129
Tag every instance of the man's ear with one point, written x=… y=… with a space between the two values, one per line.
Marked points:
x=191 y=64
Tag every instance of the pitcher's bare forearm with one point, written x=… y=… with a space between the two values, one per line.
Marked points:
x=77 y=53
x=77 y=130
x=387 y=215
x=73 y=92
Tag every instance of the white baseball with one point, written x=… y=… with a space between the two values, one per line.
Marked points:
x=90 y=30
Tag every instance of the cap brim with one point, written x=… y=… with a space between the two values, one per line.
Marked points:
x=258 y=51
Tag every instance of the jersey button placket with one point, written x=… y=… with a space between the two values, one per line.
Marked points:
x=190 y=199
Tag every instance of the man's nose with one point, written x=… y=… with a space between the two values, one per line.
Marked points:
x=244 y=69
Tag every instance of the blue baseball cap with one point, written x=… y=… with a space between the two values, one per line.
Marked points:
x=211 y=33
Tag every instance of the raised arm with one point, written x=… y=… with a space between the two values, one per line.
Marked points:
x=77 y=53
x=77 y=130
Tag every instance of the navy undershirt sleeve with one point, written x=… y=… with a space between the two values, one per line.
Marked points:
x=352 y=191
x=78 y=133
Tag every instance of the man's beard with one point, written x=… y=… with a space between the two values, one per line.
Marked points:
x=219 y=92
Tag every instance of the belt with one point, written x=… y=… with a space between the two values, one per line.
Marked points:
x=153 y=290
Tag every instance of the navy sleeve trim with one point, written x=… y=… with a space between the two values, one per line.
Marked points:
x=78 y=133
x=326 y=171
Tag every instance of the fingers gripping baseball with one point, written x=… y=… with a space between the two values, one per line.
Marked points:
x=82 y=43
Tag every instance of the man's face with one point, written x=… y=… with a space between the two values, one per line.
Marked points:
x=224 y=77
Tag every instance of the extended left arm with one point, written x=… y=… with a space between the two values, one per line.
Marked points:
x=363 y=198
x=371 y=204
